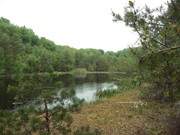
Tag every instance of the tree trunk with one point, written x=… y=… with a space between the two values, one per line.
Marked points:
x=46 y=116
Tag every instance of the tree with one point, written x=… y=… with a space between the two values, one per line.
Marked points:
x=34 y=112
x=158 y=37
x=10 y=48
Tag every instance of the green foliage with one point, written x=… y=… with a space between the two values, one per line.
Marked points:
x=129 y=82
x=158 y=31
x=40 y=117
x=126 y=83
x=30 y=65
x=23 y=53
x=106 y=93
x=42 y=55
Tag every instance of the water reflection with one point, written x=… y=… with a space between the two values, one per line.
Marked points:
x=29 y=88
x=87 y=91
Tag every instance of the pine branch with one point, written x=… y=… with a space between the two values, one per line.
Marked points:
x=159 y=51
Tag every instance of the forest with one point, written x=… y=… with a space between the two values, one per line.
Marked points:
x=36 y=54
x=39 y=80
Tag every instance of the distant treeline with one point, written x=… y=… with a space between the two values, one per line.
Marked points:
x=21 y=50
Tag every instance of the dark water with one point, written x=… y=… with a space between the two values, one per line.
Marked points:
x=31 y=88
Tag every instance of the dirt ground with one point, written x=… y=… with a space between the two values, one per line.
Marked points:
x=125 y=114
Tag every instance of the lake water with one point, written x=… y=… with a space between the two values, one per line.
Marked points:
x=87 y=91
x=84 y=87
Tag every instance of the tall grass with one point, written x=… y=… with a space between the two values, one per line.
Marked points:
x=127 y=83
x=106 y=93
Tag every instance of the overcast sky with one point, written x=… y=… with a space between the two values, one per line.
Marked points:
x=77 y=23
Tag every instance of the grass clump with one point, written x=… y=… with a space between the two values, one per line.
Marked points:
x=106 y=93
x=124 y=84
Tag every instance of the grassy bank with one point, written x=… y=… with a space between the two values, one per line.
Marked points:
x=123 y=114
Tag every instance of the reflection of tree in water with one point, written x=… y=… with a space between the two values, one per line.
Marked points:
x=29 y=87
x=6 y=96
x=67 y=80
x=97 y=78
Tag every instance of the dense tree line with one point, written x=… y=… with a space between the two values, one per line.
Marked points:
x=23 y=50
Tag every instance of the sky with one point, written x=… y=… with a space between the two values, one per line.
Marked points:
x=76 y=23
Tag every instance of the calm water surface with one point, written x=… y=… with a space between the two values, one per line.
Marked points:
x=86 y=87
x=87 y=91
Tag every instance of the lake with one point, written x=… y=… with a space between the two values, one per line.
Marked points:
x=87 y=86
x=87 y=91
x=32 y=87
